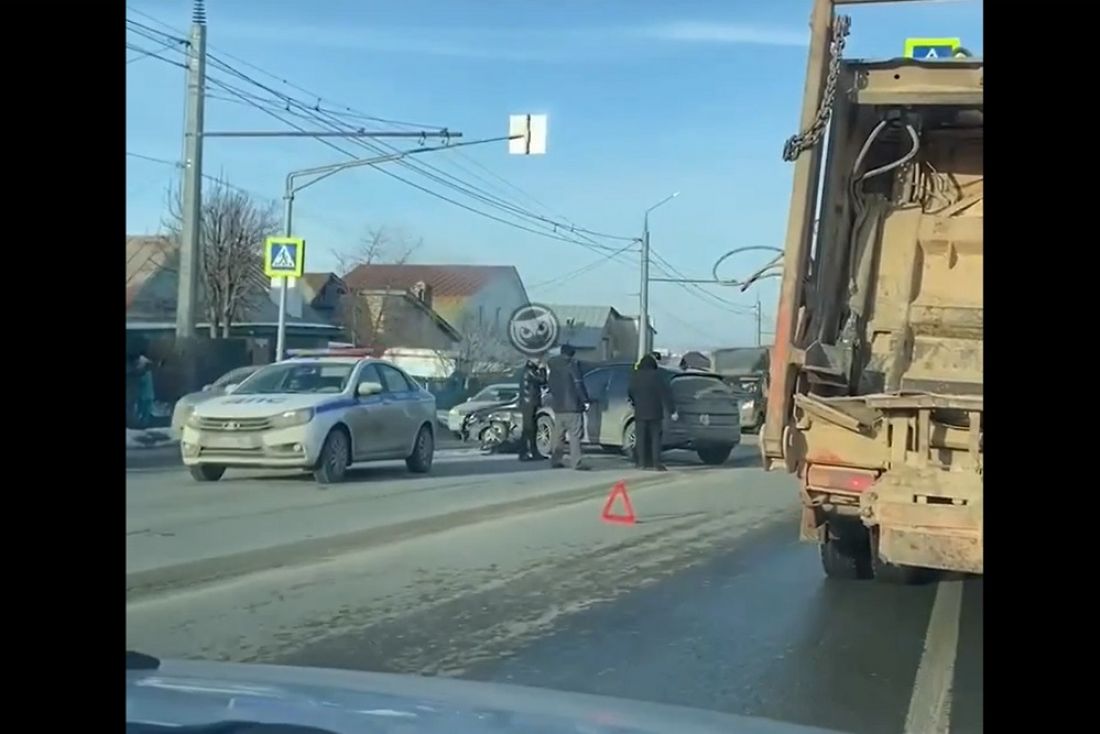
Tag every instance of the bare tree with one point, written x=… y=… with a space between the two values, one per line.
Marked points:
x=364 y=316
x=231 y=239
x=484 y=348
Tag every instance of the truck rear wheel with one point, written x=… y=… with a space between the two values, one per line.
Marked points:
x=846 y=552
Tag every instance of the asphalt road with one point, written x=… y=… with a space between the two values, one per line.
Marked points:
x=493 y=570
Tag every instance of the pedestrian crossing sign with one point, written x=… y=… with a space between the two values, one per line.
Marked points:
x=930 y=49
x=284 y=257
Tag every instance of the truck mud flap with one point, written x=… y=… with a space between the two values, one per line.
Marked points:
x=928 y=518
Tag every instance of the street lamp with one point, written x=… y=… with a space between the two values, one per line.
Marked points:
x=318 y=173
x=644 y=345
x=526 y=136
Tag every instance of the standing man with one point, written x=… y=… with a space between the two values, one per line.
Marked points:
x=651 y=397
x=569 y=400
x=531 y=383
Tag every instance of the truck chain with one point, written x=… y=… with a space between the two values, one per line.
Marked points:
x=810 y=137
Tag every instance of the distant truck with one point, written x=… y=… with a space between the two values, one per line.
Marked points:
x=875 y=398
x=746 y=370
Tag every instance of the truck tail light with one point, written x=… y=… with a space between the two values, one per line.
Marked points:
x=840 y=478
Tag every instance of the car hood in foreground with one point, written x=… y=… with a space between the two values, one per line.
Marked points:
x=198 y=692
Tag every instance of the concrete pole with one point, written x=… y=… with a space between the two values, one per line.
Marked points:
x=644 y=346
x=190 y=245
x=288 y=228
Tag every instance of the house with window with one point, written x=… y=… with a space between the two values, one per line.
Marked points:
x=152 y=282
x=475 y=300
x=598 y=333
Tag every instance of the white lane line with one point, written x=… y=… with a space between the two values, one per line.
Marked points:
x=930 y=704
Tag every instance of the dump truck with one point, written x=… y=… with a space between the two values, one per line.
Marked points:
x=875 y=390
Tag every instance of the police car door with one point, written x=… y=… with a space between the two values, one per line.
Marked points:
x=367 y=417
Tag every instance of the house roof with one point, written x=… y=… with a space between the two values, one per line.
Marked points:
x=446 y=281
x=151 y=287
x=444 y=325
x=582 y=326
x=313 y=283
x=146 y=255
x=586 y=315
x=317 y=281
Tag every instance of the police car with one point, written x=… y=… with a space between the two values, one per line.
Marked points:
x=318 y=411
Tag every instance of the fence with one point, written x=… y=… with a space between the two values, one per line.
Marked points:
x=180 y=367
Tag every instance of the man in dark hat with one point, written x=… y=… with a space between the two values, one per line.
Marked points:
x=569 y=400
x=531 y=383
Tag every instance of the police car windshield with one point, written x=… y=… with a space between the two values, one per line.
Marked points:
x=299 y=377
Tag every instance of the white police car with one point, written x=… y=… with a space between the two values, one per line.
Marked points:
x=320 y=412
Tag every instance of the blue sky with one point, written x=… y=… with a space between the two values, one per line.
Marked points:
x=644 y=98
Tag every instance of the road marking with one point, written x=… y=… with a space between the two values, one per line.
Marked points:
x=930 y=705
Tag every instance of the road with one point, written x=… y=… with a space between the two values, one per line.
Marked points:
x=493 y=570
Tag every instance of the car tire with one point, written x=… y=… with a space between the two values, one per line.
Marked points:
x=846 y=552
x=206 y=472
x=714 y=455
x=423 y=452
x=544 y=434
x=332 y=464
x=630 y=441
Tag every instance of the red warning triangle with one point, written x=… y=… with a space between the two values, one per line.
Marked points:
x=619 y=490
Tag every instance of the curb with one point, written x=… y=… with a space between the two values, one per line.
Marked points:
x=142 y=585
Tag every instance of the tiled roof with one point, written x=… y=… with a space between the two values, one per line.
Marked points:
x=446 y=281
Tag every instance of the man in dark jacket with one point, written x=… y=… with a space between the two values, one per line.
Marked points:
x=569 y=400
x=531 y=383
x=651 y=396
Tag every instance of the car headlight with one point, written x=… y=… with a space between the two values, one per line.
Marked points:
x=747 y=404
x=183 y=414
x=292 y=418
x=192 y=420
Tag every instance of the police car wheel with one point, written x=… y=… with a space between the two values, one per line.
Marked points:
x=333 y=462
x=206 y=472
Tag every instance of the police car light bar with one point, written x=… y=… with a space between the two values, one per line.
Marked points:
x=337 y=352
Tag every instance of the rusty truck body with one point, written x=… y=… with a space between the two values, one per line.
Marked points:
x=875 y=394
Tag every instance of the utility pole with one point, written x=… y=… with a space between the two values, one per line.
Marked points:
x=645 y=346
x=190 y=244
x=759 y=323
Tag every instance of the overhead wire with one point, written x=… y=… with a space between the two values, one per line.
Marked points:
x=150 y=53
x=462 y=205
x=696 y=290
x=432 y=173
x=335 y=120
x=298 y=109
x=334 y=126
x=561 y=279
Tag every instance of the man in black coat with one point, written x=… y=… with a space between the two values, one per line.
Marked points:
x=569 y=401
x=651 y=396
x=531 y=383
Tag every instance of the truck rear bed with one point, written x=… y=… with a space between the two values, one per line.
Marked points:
x=876 y=396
